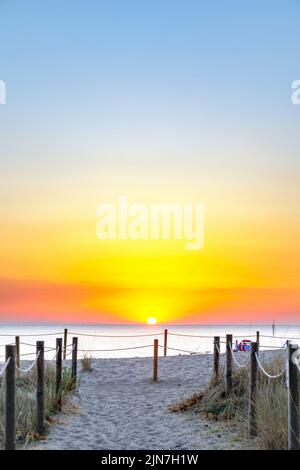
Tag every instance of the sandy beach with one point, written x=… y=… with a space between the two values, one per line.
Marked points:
x=119 y=407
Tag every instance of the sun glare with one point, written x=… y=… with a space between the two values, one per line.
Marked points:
x=151 y=321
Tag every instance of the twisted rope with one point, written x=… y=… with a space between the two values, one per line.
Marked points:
x=280 y=337
x=190 y=336
x=117 y=349
x=266 y=373
x=70 y=350
x=55 y=354
x=35 y=335
x=31 y=366
x=273 y=347
x=46 y=349
x=5 y=366
x=115 y=336
x=219 y=351
x=236 y=362
x=27 y=354
x=245 y=335
x=180 y=350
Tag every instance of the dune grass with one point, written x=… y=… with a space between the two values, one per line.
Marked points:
x=26 y=402
x=272 y=403
x=86 y=363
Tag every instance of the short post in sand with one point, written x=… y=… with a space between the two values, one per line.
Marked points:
x=155 y=360
x=293 y=400
x=74 y=359
x=253 y=379
x=40 y=424
x=257 y=341
x=165 y=342
x=216 y=356
x=228 y=372
x=10 y=398
x=17 y=341
x=58 y=371
x=65 y=342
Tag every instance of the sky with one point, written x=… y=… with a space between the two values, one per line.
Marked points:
x=161 y=101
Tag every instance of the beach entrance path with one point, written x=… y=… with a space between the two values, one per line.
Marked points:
x=119 y=407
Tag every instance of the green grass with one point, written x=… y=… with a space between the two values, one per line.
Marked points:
x=26 y=402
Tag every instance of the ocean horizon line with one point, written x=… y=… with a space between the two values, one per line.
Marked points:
x=140 y=324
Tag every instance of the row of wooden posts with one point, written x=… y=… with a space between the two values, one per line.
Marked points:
x=292 y=383
x=17 y=344
x=13 y=352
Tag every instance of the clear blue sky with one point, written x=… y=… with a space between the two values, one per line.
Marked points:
x=125 y=82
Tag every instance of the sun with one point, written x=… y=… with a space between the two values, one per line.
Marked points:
x=151 y=321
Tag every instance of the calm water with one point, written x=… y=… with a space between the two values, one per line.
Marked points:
x=185 y=343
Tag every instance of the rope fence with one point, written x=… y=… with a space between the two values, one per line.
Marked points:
x=240 y=366
x=5 y=366
x=230 y=357
x=254 y=364
x=41 y=334
x=263 y=370
x=180 y=350
x=116 y=349
x=28 y=369
x=281 y=337
x=190 y=336
x=33 y=335
x=114 y=336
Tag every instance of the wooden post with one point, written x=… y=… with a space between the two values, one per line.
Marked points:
x=10 y=398
x=253 y=379
x=228 y=377
x=65 y=342
x=257 y=341
x=155 y=360
x=165 y=342
x=17 y=342
x=40 y=425
x=58 y=371
x=293 y=401
x=74 y=359
x=216 y=356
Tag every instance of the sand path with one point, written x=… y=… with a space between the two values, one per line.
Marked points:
x=121 y=408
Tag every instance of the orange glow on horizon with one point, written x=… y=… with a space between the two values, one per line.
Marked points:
x=53 y=268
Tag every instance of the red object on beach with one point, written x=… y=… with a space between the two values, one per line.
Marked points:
x=245 y=345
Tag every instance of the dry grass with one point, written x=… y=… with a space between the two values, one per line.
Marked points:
x=86 y=363
x=271 y=404
x=26 y=403
x=273 y=416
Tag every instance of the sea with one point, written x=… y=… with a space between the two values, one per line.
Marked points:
x=117 y=341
